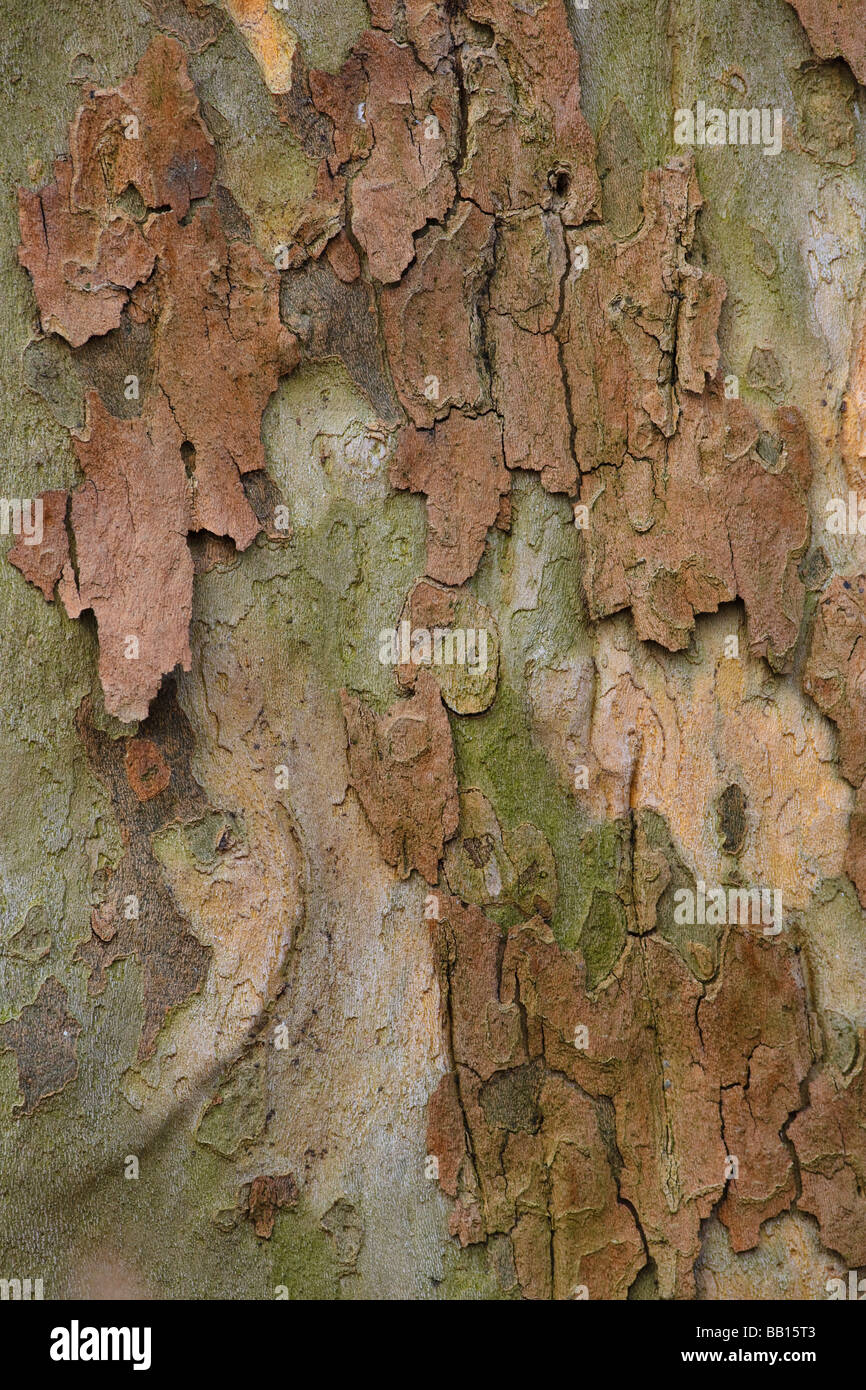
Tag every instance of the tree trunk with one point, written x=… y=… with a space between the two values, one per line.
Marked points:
x=434 y=839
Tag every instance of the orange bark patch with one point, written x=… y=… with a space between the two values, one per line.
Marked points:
x=147 y=771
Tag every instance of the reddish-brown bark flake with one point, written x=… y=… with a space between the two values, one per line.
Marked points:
x=131 y=517
x=147 y=132
x=432 y=321
x=146 y=769
x=208 y=289
x=401 y=121
x=603 y=1123
x=82 y=267
x=829 y=1136
x=267 y=1196
x=459 y=465
x=402 y=767
x=47 y=563
x=835 y=29
x=835 y=672
x=211 y=303
x=835 y=677
x=690 y=504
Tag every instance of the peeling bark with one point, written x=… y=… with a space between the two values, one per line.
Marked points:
x=460 y=879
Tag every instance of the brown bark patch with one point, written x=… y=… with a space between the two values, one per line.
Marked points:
x=527 y=141
x=48 y=562
x=401 y=121
x=82 y=266
x=459 y=465
x=690 y=506
x=131 y=519
x=138 y=915
x=220 y=292
x=146 y=769
x=402 y=767
x=830 y=1139
x=207 y=304
x=835 y=671
x=147 y=132
x=267 y=1196
x=44 y=1039
x=835 y=30
x=431 y=319
x=601 y=1123
x=463 y=642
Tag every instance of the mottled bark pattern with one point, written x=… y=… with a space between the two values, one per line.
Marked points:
x=442 y=867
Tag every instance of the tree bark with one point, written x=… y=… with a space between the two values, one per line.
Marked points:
x=433 y=850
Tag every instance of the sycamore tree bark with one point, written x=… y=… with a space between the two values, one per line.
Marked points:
x=434 y=633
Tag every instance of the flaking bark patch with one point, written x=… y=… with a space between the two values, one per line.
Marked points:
x=835 y=29
x=138 y=915
x=597 y=354
x=217 y=348
x=835 y=675
x=684 y=513
x=379 y=104
x=82 y=267
x=168 y=154
x=267 y=1196
x=220 y=292
x=431 y=319
x=830 y=1140
x=464 y=645
x=402 y=767
x=48 y=563
x=527 y=142
x=459 y=465
x=130 y=520
x=44 y=1039
x=599 y=1123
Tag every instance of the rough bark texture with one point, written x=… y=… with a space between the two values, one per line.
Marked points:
x=435 y=848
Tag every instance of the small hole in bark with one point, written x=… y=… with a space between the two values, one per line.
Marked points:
x=560 y=182
x=187 y=453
